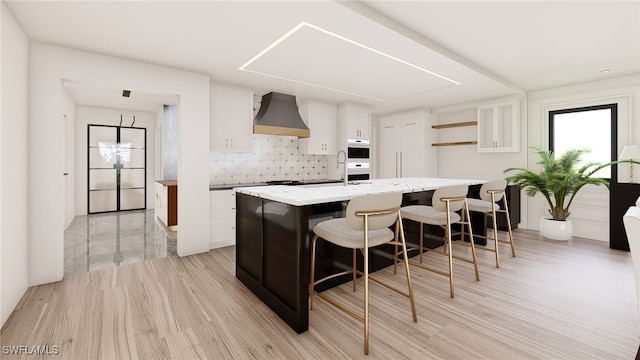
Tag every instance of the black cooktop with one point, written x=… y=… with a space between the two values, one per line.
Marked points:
x=284 y=182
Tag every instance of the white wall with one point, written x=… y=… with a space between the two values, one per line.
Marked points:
x=69 y=118
x=590 y=209
x=86 y=115
x=464 y=161
x=49 y=67
x=14 y=228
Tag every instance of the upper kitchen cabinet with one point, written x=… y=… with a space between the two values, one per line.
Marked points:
x=231 y=119
x=499 y=127
x=404 y=145
x=354 y=122
x=322 y=120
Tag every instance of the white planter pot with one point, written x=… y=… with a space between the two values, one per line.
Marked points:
x=556 y=230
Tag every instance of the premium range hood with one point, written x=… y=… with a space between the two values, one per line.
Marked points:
x=279 y=115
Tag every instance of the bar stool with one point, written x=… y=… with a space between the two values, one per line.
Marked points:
x=366 y=225
x=446 y=201
x=490 y=193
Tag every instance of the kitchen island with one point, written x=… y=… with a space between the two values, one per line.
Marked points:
x=274 y=226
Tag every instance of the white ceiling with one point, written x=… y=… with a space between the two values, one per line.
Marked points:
x=390 y=55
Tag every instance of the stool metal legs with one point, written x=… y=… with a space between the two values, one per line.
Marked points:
x=494 y=220
x=448 y=250
x=366 y=277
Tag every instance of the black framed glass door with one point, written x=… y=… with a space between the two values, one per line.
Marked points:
x=117 y=163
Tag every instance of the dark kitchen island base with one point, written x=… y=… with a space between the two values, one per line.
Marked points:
x=273 y=250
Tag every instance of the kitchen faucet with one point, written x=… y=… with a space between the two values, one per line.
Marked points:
x=344 y=164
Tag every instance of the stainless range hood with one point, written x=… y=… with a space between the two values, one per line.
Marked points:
x=279 y=115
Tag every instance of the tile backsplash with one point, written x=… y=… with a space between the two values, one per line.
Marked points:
x=273 y=158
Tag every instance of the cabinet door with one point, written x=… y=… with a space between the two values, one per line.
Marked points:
x=364 y=123
x=314 y=144
x=241 y=122
x=331 y=133
x=411 y=140
x=222 y=212
x=498 y=128
x=388 y=149
x=219 y=114
x=322 y=120
x=162 y=206
x=358 y=123
x=231 y=120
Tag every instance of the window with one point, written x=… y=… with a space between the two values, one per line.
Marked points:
x=593 y=128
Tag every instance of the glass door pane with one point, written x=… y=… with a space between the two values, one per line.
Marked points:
x=117 y=168
x=103 y=184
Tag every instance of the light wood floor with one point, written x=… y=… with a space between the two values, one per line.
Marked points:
x=555 y=300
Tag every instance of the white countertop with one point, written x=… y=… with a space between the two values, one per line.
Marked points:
x=326 y=193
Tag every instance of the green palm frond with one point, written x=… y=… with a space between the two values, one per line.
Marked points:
x=560 y=178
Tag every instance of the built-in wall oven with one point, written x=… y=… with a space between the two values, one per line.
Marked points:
x=358 y=162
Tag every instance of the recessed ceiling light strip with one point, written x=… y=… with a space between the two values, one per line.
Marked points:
x=377 y=52
x=314 y=85
x=274 y=44
x=317 y=28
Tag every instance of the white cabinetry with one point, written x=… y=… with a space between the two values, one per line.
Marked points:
x=354 y=122
x=222 y=210
x=404 y=145
x=230 y=119
x=322 y=120
x=498 y=127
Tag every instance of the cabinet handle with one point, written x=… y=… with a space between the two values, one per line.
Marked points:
x=231 y=141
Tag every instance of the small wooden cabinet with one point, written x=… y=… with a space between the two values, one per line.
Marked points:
x=167 y=203
x=231 y=119
x=322 y=120
x=222 y=212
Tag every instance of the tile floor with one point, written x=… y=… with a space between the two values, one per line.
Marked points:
x=100 y=241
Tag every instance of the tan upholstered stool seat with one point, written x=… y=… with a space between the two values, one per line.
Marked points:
x=340 y=233
x=480 y=205
x=427 y=215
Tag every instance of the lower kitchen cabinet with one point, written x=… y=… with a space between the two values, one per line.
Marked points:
x=222 y=210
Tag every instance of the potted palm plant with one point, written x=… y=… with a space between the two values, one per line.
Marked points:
x=559 y=181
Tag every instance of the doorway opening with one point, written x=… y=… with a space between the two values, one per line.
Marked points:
x=117 y=169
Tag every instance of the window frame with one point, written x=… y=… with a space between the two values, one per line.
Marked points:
x=614 y=130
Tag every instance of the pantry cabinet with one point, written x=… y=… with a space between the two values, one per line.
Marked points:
x=322 y=120
x=405 y=150
x=231 y=119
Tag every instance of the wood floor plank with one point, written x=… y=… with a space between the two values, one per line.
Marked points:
x=555 y=300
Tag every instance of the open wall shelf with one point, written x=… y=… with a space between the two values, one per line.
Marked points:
x=452 y=125
x=455 y=125
x=456 y=143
